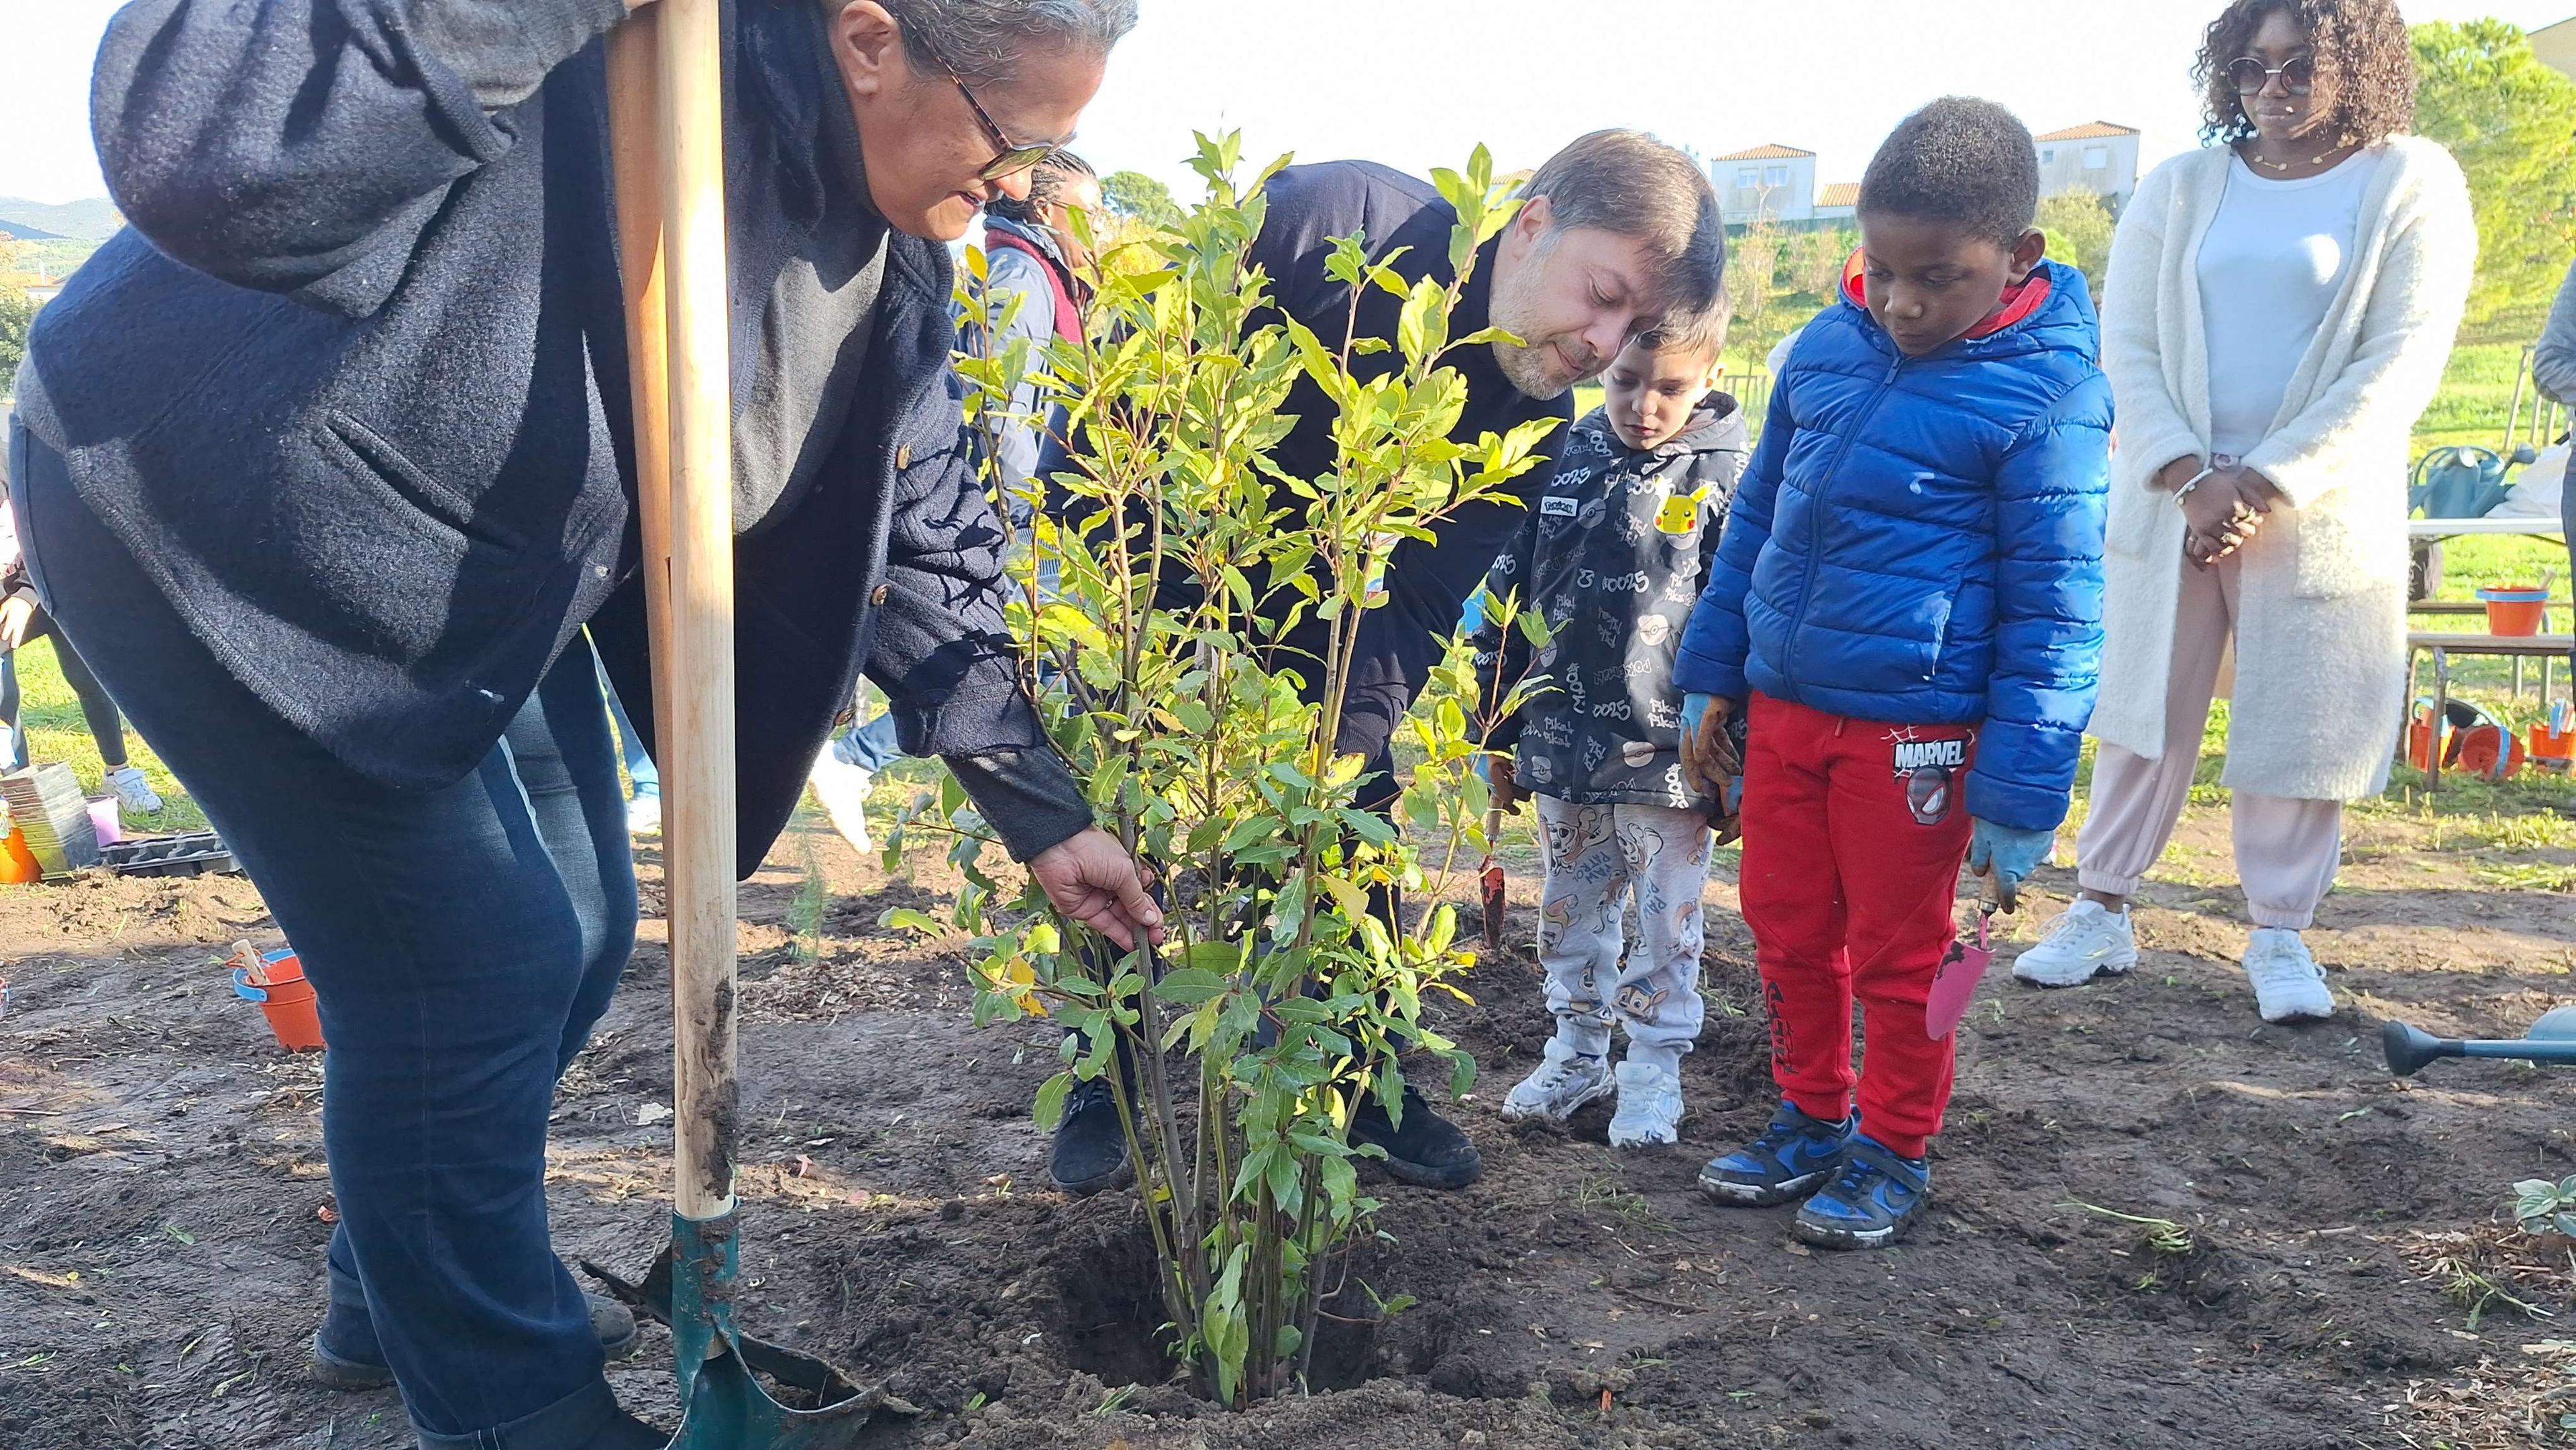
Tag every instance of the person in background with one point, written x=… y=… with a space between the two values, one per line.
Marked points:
x=2553 y=371
x=1908 y=602
x=1033 y=263
x=2281 y=304
x=23 y=618
x=1612 y=558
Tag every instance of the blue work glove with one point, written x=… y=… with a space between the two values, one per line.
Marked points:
x=2007 y=855
x=1709 y=758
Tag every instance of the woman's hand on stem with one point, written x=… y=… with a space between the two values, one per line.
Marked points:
x=1499 y=780
x=1092 y=880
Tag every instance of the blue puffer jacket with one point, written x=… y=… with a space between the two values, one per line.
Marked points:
x=1919 y=540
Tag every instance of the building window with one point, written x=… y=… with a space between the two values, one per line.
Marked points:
x=1748 y=177
x=1775 y=176
x=2097 y=158
x=2048 y=156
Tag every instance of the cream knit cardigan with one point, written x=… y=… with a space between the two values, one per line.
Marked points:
x=2321 y=627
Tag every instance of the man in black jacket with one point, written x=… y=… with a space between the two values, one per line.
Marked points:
x=327 y=463
x=1619 y=230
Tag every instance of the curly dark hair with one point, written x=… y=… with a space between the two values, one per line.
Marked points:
x=2364 y=59
x=1959 y=160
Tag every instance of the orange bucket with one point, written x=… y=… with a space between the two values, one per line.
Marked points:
x=276 y=982
x=18 y=864
x=2516 y=609
x=2553 y=748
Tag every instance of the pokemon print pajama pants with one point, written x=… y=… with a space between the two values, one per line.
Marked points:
x=1597 y=856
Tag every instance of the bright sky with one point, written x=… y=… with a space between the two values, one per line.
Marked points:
x=1417 y=83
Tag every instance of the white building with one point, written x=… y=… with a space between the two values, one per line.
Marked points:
x=1778 y=182
x=1838 y=202
x=2097 y=157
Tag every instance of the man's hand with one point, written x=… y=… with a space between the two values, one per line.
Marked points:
x=1499 y=780
x=1092 y=879
x=2008 y=856
x=1709 y=759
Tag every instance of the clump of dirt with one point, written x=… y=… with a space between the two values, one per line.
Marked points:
x=163 y=1204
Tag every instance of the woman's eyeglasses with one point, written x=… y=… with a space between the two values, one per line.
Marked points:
x=1010 y=158
x=2298 y=75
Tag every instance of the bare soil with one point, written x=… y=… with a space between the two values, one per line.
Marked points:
x=164 y=1202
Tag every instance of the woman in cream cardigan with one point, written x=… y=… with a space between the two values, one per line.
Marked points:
x=2279 y=308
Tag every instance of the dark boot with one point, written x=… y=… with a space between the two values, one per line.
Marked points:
x=1428 y=1151
x=1090 y=1149
x=345 y=1355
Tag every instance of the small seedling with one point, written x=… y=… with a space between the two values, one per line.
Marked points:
x=1115 y=1400
x=2543 y=1207
x=2162 y=1235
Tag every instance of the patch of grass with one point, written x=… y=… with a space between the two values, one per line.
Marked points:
x=51 y=716
x=2528 y=876
x=2159 y=1235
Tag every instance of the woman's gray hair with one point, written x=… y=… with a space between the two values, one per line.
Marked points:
x=984 y=39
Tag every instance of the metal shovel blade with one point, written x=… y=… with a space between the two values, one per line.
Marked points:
x=691 y=1288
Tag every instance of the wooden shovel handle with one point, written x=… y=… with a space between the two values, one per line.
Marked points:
x=666 y=126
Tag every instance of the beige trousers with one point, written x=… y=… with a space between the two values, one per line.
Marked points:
x=2286 y=850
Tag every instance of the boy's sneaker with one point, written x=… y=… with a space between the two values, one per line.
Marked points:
x=2289 y=986
x=1871 y=1203
x=1650 y=1106
x=2086 y=941
x=843 y=789
x=133 y=792
x=644 y=816
x=1791 y=1157
x=1563 y=1081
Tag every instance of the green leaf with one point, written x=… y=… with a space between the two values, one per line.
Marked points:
x=904 y=918
x=1050 y=1104
x=1190 y=986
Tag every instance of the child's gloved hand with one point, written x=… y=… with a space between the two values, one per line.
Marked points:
x=2007 y=855
x=1709 y=757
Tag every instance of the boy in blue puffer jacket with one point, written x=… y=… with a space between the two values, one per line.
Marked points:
x=1908 y=603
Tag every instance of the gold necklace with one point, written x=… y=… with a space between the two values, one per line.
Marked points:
x=2316 y=160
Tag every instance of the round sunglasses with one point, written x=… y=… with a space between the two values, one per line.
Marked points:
x=2249 y=76
x=1010 y=157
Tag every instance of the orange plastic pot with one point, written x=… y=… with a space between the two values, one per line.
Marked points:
x=276 y=982
x=2516 y=610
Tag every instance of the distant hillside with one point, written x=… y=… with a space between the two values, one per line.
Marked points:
x=94 y=220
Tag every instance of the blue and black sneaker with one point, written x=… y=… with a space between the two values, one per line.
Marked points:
x=1791 y=1157
x=1871 y=1203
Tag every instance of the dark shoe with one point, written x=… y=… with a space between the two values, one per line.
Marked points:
x=1427 y=1151
x=1089 y=1154
x=1794 y=1155
x=1871 y=1204
x=350 y=1367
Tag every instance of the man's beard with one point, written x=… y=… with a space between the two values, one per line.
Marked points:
x=1533 y=367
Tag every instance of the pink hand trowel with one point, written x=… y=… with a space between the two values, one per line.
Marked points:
x=1954 y=983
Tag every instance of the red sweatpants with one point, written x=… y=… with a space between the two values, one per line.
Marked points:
x=1854 y=832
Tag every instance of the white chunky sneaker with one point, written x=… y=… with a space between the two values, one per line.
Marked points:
x=843 y=789
x=2289 y=986
x=1565 y=1080
x=133 y=792
x=1650 y=1107
x=644 y=816
x=2086 y=941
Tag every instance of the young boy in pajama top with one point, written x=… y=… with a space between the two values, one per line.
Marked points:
x=1612 y=557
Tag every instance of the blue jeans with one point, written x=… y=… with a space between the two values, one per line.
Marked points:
x=870 y=745
x=461 y=943
x=639 y=766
